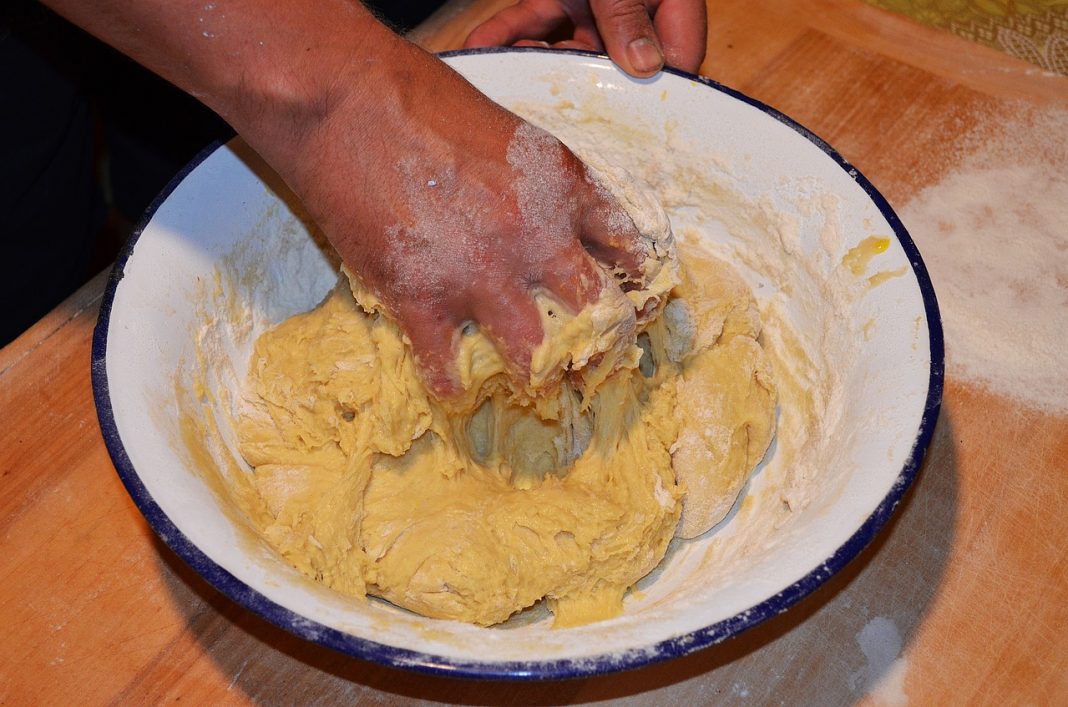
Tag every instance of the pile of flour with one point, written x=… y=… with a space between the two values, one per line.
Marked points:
x=994 y=235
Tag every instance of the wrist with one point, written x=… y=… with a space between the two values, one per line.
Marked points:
x=289 y=89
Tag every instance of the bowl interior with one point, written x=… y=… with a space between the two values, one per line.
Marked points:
x=854 y=333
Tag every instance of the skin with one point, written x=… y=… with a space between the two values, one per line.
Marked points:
x=427 y=189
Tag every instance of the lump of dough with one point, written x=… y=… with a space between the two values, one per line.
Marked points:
x=434 y=518
x=726 y=414
x=725 y=391
x=476 y=510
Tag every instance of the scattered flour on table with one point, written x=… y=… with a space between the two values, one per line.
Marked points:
x=890 y=690
x=994 y=235
x=883 y=676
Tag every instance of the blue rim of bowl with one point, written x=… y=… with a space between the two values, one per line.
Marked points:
x=674 y=647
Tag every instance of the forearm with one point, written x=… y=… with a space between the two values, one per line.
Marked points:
x=322 y=90
x=264 y=66
x=447 y=206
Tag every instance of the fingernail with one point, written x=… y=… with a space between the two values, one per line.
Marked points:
x=645 y=56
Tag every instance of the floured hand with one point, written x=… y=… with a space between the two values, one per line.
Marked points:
x=450 y=209
x=457 y=213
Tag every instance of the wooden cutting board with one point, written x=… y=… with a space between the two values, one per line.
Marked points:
x=963 y=598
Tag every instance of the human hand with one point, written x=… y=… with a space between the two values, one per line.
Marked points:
x=453 y=210
x=448 y=207
x=639 y=35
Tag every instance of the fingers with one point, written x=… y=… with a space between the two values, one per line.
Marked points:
x=601 y=227
x=565 y=44
x=682 y=26
x=525 y=20
x=609 y=234
x=434 y=336
x=585 y=33
x=641 y=36
x=573 y=277
x=629 y=35
x=509 y=317
x=506 y=314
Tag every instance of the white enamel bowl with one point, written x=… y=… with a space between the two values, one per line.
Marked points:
x=221 y=234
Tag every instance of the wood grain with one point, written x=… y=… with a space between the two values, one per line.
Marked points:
x=970 y=579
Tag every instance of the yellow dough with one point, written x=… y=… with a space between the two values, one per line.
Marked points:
x=477 y=510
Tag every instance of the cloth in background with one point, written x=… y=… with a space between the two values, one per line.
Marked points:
x=1033 y=30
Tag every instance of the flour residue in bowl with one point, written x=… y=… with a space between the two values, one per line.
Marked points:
x=803 y=297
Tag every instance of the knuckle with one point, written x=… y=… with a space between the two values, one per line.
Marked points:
x=625 y=16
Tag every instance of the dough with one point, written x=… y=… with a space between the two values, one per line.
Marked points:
x=725 y=408
x=567 y=489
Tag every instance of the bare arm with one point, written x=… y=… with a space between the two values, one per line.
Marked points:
x=273 y=70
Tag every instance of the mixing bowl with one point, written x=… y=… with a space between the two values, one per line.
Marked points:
x=850 y=317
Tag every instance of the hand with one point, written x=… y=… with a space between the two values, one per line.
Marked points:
x=639 y=35
x=448 y=207
x=454 y=210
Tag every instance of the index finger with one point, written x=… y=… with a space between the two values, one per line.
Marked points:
x=609 y=233
x=682 y=27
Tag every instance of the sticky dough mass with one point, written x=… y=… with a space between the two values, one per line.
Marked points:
x=478 y=509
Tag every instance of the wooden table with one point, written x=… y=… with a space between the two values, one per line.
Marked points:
x=964 y=598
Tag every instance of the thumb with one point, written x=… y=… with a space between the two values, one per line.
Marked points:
x=628 y=34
